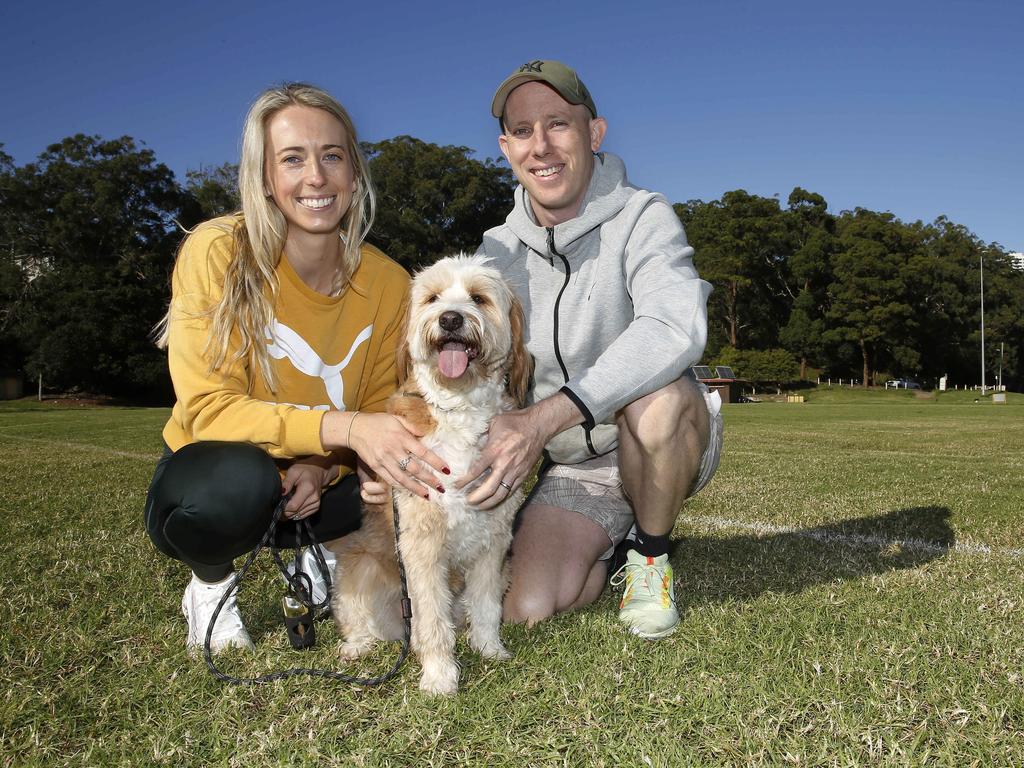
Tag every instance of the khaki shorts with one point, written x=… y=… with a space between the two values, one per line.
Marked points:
x=594 y=489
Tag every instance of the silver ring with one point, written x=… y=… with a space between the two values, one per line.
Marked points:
x=404 y=463
x=505 y=485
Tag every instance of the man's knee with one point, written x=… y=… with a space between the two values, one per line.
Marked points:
x=528 y=606
x=663 y=418
x=553 y=555
x=531 y=607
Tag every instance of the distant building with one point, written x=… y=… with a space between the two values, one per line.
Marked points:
x=1017 y=259
x=721 y=380
x=11 y=385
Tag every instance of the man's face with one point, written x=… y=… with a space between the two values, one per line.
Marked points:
x=550 y=144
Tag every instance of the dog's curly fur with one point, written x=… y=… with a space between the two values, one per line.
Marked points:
x=454 y=555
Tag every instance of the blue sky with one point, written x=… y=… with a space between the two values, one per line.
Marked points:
x=911 y=107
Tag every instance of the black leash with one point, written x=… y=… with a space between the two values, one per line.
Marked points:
x=300 y=584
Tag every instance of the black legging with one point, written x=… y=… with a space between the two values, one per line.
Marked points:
x=213 y=501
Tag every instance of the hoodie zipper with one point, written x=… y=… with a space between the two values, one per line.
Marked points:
x=558 y=300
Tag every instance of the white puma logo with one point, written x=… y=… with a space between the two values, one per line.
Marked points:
x=283 y=342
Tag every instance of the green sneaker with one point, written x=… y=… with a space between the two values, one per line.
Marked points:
x=648 y=604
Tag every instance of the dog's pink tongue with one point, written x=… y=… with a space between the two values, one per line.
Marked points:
x=453 y=360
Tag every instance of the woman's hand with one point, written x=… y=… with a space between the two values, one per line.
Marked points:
x=392 y=452
x=389 y=448
x=305 y=480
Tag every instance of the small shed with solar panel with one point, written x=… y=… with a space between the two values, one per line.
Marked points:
x=720 y=379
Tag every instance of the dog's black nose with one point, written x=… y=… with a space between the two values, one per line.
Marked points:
x=450 y=321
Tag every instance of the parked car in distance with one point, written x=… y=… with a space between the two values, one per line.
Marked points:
x=902 y=384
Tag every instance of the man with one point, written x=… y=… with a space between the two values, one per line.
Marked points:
x=616 y=314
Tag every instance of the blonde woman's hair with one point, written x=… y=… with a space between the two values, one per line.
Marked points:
x=259 y=231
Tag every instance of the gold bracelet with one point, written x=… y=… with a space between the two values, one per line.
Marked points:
x=348 y=439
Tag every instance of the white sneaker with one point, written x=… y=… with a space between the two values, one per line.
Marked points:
x=198 y=604
x=312 y=569
x=648 y=604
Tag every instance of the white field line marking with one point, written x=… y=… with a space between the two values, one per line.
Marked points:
x=84 y=447
x=963 y=546
x=45 y=425
x=833 y=451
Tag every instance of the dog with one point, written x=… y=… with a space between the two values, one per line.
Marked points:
x=461 y=362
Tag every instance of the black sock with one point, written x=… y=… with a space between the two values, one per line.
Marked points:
x=649 y=545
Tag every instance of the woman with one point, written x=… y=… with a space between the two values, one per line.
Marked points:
x=281 y=339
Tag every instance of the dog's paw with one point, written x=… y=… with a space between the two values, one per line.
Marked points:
x=492 y=649
x=413 y=410
x=351 y=651
x=440 y=679
x=487 y=643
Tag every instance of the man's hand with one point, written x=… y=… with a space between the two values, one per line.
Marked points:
x=372 y=490
x=514 y=443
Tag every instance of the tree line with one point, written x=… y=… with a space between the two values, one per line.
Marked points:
x=856 y=295
x=89 y=231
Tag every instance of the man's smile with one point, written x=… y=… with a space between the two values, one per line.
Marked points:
x=548 y=170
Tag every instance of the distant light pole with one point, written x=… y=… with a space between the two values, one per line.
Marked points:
x=981 y=261
x=1001 y=366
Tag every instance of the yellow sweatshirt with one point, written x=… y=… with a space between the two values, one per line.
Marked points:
x=327 y=352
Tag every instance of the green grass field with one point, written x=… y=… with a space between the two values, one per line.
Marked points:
x=851 y=585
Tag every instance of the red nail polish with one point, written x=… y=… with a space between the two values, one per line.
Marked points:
x=446 y=470
x=440 y=489
x=426 y=496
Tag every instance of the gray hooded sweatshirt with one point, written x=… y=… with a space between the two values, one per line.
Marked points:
x=614 y=306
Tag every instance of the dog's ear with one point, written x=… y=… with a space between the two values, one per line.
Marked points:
x=521 y=370
x=403 y=359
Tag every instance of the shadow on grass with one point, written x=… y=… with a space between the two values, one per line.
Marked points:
x=715 y=569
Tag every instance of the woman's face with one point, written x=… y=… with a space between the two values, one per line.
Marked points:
x=308 y=170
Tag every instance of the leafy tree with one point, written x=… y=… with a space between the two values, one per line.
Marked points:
x=13 y=284
x=215 y=189
x=868 y=293
x=768 y=366
x=942 y=285
x=740 y=245
x=102 y=202
x=702 y=222
x=812 y=242
x=774 y=365
x=16 y=267
x=1004 y=319
x=803 y=333
x=434 y=200
x=91 y=222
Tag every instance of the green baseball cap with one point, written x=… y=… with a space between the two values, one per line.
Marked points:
x=556 y=74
